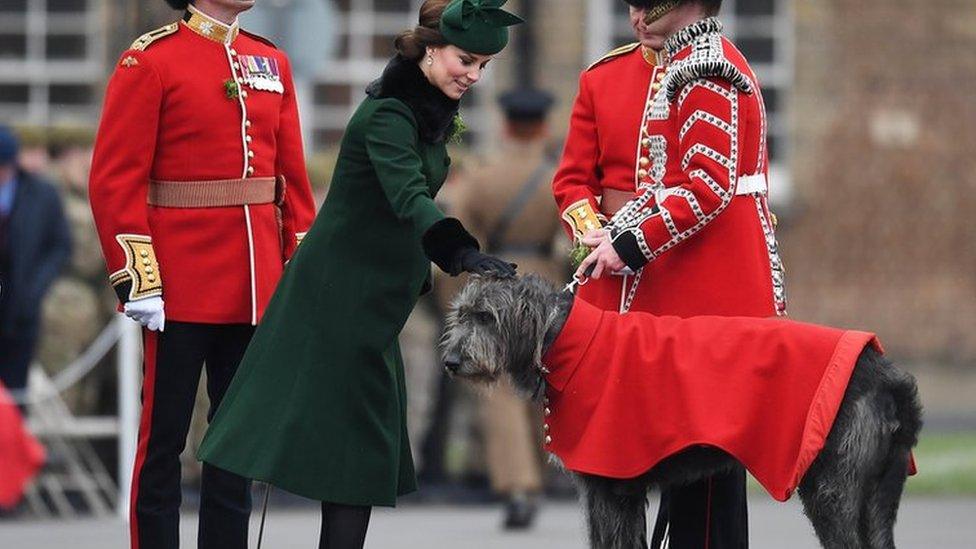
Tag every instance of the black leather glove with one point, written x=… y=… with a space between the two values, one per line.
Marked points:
x=472 y=261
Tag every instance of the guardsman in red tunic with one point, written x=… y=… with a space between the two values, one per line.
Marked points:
x=664 y=177
x=200 y=196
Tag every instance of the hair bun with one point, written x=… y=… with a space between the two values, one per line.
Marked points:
x=408 y=46
x=412 y=44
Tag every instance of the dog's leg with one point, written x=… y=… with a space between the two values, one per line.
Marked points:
x=833 y=508
x=834 y=489
x=851 y=490
x=881 y=504
x=615 y=512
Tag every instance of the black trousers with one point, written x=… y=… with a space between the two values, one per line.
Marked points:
x=173 y=362
x=709 y=514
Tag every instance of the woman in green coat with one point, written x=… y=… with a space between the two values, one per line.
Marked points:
x=318 y=403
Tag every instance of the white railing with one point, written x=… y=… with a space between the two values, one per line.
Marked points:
x=51 y=420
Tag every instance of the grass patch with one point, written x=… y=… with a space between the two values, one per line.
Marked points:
x=946 y=466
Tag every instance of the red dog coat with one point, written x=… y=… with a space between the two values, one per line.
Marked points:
x=626 y=391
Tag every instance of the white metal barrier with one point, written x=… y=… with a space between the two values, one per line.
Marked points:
x=69 y=436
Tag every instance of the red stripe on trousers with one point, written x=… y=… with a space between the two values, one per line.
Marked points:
x=149 y=345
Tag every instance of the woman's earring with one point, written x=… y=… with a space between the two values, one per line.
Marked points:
x=430 y=59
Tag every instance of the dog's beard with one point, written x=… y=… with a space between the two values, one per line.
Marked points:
x=480 y=354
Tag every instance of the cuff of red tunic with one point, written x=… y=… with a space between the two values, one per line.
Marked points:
x=444 y=241
x=626 y=246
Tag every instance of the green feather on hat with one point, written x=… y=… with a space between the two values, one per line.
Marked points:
x=478 y=26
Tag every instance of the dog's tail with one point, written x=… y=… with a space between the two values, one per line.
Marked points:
x=908 y=407
x=903 y=389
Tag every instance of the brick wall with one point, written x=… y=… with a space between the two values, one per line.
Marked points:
x=885 y=173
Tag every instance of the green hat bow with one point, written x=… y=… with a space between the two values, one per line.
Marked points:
x=478 y=26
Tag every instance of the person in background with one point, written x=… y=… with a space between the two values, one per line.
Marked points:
x=35 y=245
x=200 y=196
x=507 y=204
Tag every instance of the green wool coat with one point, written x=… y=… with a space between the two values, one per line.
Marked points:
x=318 y=405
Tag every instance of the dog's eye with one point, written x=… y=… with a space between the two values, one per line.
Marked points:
x=483 y=317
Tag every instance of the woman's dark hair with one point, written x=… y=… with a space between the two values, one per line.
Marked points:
x=412 y=44
x=178 y=4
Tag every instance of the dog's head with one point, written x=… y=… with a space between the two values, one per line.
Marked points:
x=496 y=326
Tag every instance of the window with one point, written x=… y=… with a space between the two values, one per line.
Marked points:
x=67 y=6
x=13 y=6
x=14 y=94
x=13 y=46
x=77 y=95
x=66 y=46
x=52 y=58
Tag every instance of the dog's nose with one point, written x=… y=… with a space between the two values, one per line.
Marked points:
x=452 y=363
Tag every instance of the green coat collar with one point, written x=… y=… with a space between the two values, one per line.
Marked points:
x=402 y=79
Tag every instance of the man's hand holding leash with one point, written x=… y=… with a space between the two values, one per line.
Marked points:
x=603 y=258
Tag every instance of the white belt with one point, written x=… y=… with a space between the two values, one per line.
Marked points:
x=749 y=184
x=745 y=184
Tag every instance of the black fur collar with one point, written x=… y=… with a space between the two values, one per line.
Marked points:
x=402 y=79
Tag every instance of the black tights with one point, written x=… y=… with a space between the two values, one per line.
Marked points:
x=343 y=526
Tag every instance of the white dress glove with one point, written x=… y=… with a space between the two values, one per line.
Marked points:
x=148 y=312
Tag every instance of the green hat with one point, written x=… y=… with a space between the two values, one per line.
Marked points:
x=478 y=26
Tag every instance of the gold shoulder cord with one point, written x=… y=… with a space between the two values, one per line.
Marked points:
x=145 y=40
x=615 y=53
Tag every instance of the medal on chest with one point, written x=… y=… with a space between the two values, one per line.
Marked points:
x=261 y=73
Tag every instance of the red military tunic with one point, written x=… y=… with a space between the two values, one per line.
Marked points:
x=171 y=114
x=628 y=390
x=601 y=147
x=689 y=137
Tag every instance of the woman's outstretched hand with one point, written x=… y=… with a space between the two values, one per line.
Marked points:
x=474 y=262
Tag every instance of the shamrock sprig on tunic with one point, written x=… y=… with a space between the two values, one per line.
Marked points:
x=578 y=254
x=232 y=89
x=457 y=129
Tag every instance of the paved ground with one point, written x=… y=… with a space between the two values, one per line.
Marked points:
x=924 y=523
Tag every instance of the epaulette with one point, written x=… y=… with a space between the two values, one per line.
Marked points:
x=707 y=60
x=145 y=40
x=615 y=53
x=259 y=38
x=688 y=70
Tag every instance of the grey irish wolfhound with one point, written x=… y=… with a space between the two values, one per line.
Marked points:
x=850 y=493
